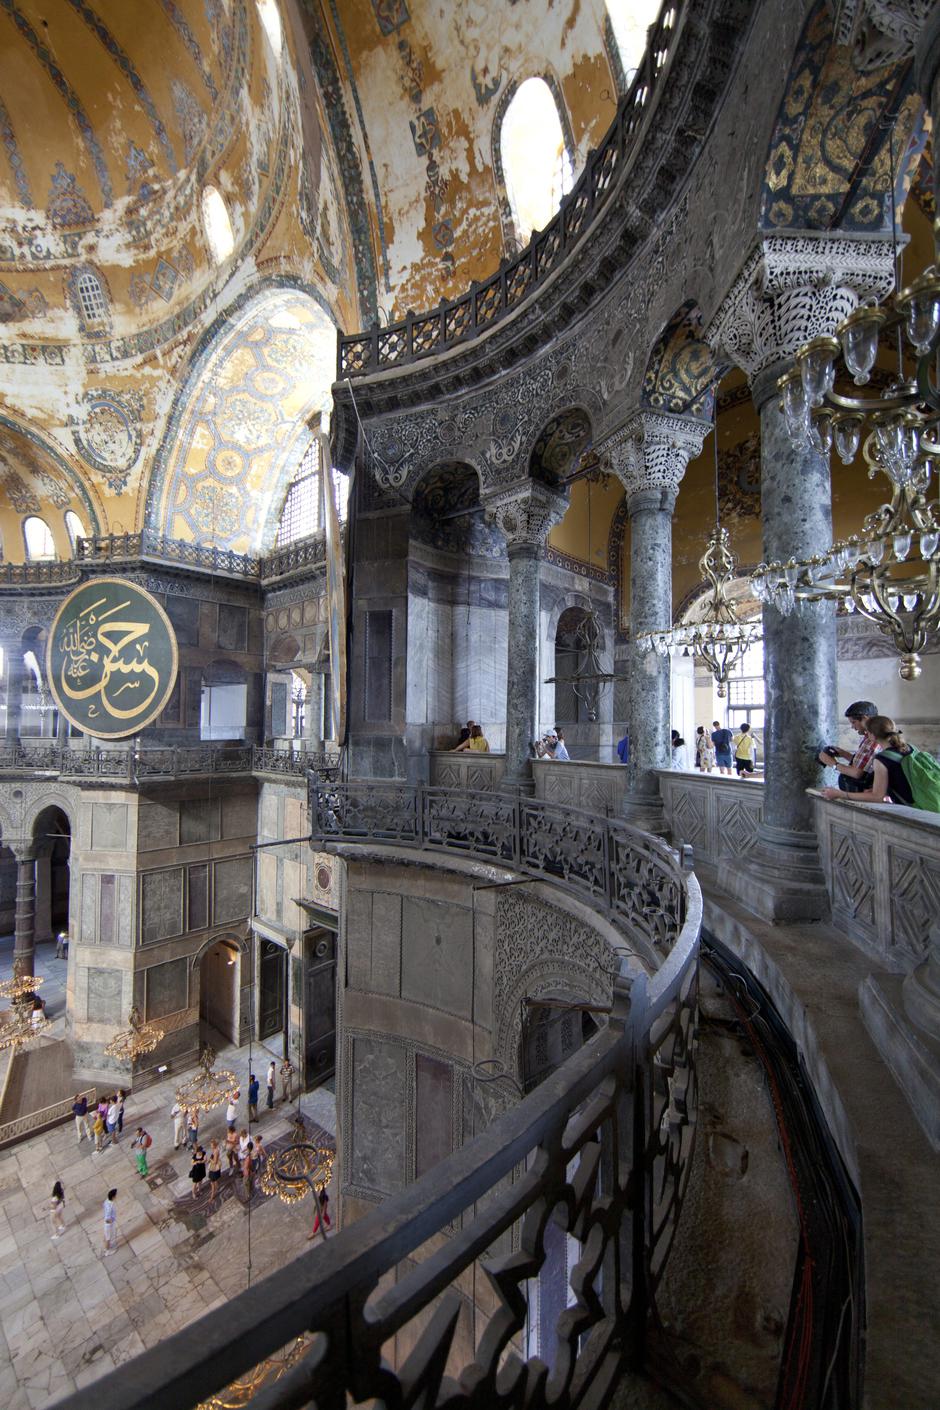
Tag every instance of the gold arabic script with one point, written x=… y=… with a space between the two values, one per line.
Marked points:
x=107 y=658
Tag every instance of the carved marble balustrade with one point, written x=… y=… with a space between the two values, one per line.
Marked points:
x=468 y=769
x=715 y=815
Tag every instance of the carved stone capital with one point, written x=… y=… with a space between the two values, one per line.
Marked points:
x=650 y=452
x=525 y=513
x=793 y=288
x=880 y=31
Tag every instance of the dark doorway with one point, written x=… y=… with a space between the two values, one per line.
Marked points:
x=319 y=1007
x=273 y=989
x=52 y=834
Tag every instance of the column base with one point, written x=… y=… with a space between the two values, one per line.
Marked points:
x=517 y=783
x=646 y=812
x=780 y=879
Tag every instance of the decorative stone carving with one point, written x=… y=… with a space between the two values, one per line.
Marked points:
x=880 y=31
x=793 y=288
x=526 y=513
x=650 y=452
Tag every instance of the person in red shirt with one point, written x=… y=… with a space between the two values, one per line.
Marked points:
x=855 y=770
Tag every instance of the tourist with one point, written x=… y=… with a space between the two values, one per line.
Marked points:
x=287 y=1080
x=623 y=749
x=253 y=1086
x=197 y=1171
x=142 y=1141
x=56 y=1211
x=215 y=1169
x=560 y=753
x=244 y=1141
x=111 y=1119
x=192 y=1128
x=261 y=1151
x=179 y=1125
x=722 y=739
x=476 y=742
x=546 y=746
x=902 y=774
x=271 y=1083
x=248 y=1170
x=99 y=1128
x=110 y=1222
x=231 y=1148
x=231 y=1111
x=464 y=736
x=745 y=750
x=680 y=754
x=856 y=774
x=323 y=1201
x=704 y=751
x=61 y=941
x=121 y=1099
x=80 y=1112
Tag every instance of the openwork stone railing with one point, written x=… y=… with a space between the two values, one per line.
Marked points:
x=128 y=766
x=602 y=1147
x=33 y=1121
x=421 y=335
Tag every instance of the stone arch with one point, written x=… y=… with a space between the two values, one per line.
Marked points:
x=226 y=489
x=544 y=979
x=827 y=166
x=49 y=799
x=586 y=734
x=447 y=513
x=682 y=372
x=242 y=941
x=557 y=447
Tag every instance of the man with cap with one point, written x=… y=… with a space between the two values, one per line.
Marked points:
x=855 y=770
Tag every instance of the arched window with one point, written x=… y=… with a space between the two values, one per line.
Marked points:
x=536 y=160
x=271 y=19
x=38 y=538
x=302 y=514
x=217 y=225
x=75 y=527
x=91 y=296
x=630 y=20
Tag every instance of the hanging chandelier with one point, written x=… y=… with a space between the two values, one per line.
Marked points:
x=889 y=573
x=134 y=1041
x=298 y=1170
x=21 y=1023
x=588 y=678
x=209 y=1088
x=720 y=637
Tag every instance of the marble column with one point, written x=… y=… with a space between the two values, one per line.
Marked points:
x=524 y=514
x=313 y=713
x=793 y=288
x=649 y=456
x=24 y=949
x=15 y=669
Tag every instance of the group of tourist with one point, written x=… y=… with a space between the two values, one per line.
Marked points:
x=719 y=749
x=550 y=746
x=883 y=768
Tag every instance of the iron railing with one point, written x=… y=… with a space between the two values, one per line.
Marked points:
x=147 y=547
x=421 y=335
x=128 y=765
x=602 y=1147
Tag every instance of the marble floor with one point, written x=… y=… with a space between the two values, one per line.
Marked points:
x=67 y=1313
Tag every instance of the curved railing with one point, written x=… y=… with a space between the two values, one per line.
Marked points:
x=420 y=335
x=602 y=1148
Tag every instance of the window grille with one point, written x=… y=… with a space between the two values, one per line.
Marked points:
x=91 y=296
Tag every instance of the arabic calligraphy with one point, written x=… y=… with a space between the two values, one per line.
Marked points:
x=112 y=658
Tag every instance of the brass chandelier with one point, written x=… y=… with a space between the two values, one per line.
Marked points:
x=134 y=1041
x=889 y=573
x=209 y=1088
x=21 y=1023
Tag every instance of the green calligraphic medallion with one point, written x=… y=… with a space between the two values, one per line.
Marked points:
x=112 y=658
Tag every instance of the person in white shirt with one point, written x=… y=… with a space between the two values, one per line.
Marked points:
x=109 y=1210
x=561 y=753
x=179 y=1125
x=231 y=1111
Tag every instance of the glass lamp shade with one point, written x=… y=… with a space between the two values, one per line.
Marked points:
x=897 y=438
x=919 y=306
x=816 y=361
x=822 y=431
x=846 y=434
x=859 y=335
x=795 y=406
x=929 y=543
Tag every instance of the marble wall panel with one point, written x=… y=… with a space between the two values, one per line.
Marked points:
x=434 y=1112
x=377 y=1130
x=231 y=889
x=358 y=937
x=240 y=816
x=183 y=612
x=108 y=826
x=199 y=820
x=161 y=904
x=437 y=955
x=270 y=815
x=233 y=627
x=385 y=977
x=106 y=909
x=88 y=913
x=197 y=896
x=167 y=987
x=267 y=885
x=104 y=995
x=125 y=929
x=157 y=826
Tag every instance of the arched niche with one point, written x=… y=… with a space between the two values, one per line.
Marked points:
x=447 y=515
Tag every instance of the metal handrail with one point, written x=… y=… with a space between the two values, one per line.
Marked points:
x=130 y=764
x=422 y=335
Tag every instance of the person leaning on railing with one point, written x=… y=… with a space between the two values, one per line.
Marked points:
x=476 y=742
x=902 y=774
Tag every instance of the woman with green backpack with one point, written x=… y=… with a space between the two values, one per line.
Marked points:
x=903 y=774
